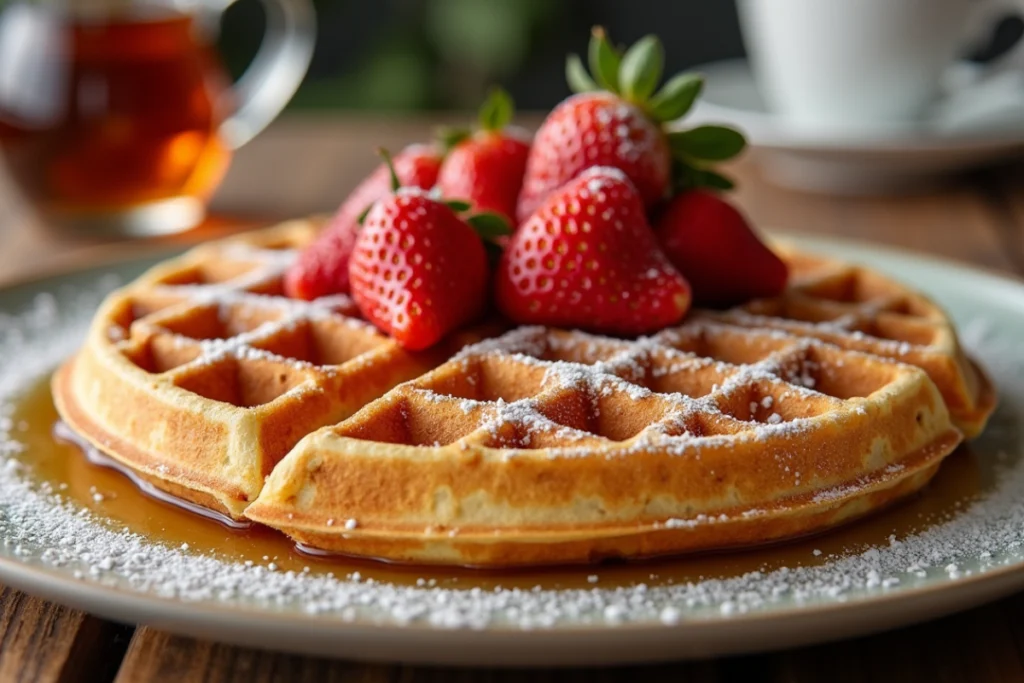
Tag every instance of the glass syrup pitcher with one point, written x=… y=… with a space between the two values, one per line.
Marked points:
x=118 y=116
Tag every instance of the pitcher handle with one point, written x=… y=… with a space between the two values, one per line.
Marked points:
x=276 y=71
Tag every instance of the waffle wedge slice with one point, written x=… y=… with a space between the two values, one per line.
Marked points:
x=548 y=446
x=859 y=309
x=201 y=376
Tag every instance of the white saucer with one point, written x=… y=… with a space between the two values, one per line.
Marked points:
x=981 y=123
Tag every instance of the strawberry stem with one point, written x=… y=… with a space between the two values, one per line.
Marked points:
x=386 y=156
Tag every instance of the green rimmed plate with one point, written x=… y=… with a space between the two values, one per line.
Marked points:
x=56 y=547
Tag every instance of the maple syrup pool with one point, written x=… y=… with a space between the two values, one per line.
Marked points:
x=112 y=496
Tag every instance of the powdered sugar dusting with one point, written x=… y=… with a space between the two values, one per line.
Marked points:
x=42 y=528
x=253 y=322
x=598 y=177
x=606 y=368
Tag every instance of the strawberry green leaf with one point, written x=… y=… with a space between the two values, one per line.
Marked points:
x=577 y=77
x=676 y=97
x=361 y=218
x=715 y=180
x=684 y=176
x=604 y=60
x=450 y=136
x=457 y=205
x=489 y=225
x=709 y=143
x=687 y=177
x=497 y=110
x=386 y=155
x=640 y=69
x=493 y=250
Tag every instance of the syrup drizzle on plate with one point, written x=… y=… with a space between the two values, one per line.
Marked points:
x=62 y=433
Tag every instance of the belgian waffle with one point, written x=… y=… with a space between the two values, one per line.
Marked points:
x=778 y=418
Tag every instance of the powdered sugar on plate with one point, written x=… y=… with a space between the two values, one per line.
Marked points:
x=42 y=528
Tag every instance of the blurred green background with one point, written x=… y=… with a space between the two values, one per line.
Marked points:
x=411 y=55
x=444 y=54
x=400 y=55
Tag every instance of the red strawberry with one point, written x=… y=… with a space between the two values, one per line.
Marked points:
x=596 y=129
x=418 y=270
x=712 y=244
x=622 y=126
x=322 y=267
x=587 y=258
x=486 y=168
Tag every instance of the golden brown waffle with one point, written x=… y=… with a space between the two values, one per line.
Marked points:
x=201 y=375
x=858 y=309
x=546 y=446
x=542 y=446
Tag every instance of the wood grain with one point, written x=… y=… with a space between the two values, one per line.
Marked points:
x=983 y=645
x=157 y=657
x=162 y=658
x=42 y=642
x=959 y=222
x=306 y=165
x=1003 y=187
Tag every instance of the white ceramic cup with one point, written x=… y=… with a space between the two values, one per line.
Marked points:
x=842 y=64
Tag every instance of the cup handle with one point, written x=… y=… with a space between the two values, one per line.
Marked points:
x=276 y=71
x=983 y=17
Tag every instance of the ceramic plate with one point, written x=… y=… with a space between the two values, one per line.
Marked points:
x=957 y=545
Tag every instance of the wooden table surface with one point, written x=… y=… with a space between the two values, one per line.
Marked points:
x=303 y=165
